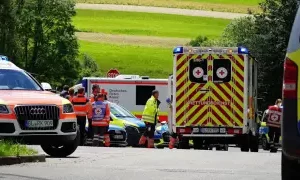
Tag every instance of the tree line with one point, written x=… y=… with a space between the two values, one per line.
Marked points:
x=266 y=35
x=38 y=36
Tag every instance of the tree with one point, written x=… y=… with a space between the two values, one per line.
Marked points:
x=89 y=67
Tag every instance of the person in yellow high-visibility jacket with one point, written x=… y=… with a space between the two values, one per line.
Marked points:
x=150 y=117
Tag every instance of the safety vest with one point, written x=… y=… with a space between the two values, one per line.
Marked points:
x=274 y=116
x=92 y=98
x=100 y=113
x=70 y=98
x=151 y=110
x=80 y=104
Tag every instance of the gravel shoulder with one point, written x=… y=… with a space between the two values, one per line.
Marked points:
x=131 y=40
x=162 y=10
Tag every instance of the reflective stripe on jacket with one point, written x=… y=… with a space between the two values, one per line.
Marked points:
x=100 y=113
x=150 y=111
x=80 y=104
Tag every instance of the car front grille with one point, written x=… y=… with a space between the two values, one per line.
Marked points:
x=37 y=112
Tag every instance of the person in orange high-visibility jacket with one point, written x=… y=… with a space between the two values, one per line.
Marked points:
x=95 y=92
x=104 y=94
x=71 y=94
x=100 y=121
x=81 y=107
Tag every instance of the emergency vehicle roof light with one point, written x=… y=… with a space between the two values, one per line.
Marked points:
x=3 y=58
x=243 y=50
x=178 y=50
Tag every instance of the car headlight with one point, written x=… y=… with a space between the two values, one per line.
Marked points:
x=68 y=108
x=4 y=109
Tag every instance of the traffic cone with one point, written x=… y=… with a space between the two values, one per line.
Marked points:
x=142 y=140
x=106 y=140
x=150 y=143
x=172 y=143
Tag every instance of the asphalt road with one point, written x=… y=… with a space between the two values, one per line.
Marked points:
x=148 y=9
x=149 y=164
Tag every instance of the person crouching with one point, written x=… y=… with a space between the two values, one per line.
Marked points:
x=100 y=121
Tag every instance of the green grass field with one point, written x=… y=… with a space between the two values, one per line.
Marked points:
x=141 y=60
x=148 y=24
x=239 y=6
x=9 y=149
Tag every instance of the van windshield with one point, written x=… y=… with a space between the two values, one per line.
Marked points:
x=119 y=111
x=11 y=79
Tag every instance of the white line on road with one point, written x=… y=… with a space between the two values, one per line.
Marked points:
x=186 y=12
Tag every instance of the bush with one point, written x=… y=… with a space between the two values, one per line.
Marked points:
x=89 y=67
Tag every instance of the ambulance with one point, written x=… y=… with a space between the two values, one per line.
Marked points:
x=213 y=98
x=131 y=91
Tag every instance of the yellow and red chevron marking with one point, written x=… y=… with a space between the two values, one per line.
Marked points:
x=188 y=114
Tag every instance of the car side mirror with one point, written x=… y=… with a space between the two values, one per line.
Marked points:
x=46 y=86
x=111 y=119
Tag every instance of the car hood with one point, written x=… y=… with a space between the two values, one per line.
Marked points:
x=133 y=121
x=115 y=128
x=13 y=97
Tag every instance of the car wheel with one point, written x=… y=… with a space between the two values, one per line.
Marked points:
x=289 y=168
x=63 y=150
x=265 y=144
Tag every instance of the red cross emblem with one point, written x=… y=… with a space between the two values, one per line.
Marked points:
x=198 y=72
x=98 y=111
x=222 y=72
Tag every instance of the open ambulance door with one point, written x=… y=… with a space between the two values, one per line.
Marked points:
x=171 y=124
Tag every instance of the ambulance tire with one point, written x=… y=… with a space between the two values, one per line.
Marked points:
x=289 y=168
x=184 y=143
x=64 y=150
x=244 y=143
x=254 y=143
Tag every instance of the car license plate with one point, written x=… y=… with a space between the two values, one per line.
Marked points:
x=39 y=123
x=209 y=130
x=118 y=136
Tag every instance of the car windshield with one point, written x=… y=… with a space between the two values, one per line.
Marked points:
x=11 y=79
x=119 y=111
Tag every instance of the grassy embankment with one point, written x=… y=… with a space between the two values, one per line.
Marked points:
x=9 y=149
x=139 y=43
x=237 y=6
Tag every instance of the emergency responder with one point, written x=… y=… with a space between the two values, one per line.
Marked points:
x=82 y=109
x=100 y=121
x=104 y=94
x=150 y=117
x=71 y=94
x=95 y=91
x=65 y=91
x=274 y=115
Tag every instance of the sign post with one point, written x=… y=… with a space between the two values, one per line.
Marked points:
x=112 y=73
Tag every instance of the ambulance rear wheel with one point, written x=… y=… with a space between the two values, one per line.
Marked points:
x=289 y=168
x=244 y=143
x=254 y=144
x=184 y=143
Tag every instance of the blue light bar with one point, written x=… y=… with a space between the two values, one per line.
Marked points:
x=243 y=50
x=3 y=58
x=178 y=50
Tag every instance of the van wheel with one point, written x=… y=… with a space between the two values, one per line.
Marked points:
x=183 y=143
x=254 y=144
x=63 y=150
x=289 y=168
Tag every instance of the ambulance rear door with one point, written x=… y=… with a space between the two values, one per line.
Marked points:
x=209 y=88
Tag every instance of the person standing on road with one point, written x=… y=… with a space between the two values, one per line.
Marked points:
x=150 y=117
x=65 y=92
x=71 y=94
x=81 y=107
x=95 y=92
x=274 y=115
x=100 y=121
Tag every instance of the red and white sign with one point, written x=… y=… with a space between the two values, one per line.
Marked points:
x=198 y=72
x=112 y=73
x=222 y=72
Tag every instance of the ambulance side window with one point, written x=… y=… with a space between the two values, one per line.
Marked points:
x=221 y=70
x=198 y=70
x=143 y=93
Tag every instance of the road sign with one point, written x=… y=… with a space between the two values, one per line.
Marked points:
x=112 y=73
